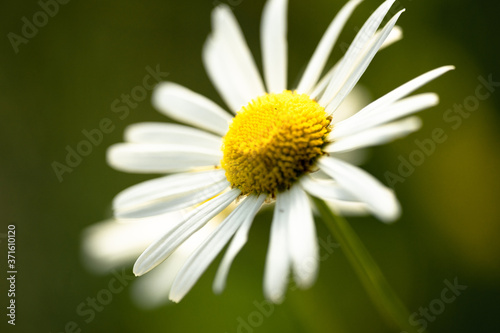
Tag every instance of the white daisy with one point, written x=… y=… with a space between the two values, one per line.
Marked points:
x=273 y=149
x=116 y=243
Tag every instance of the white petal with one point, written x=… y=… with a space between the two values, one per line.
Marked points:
x=325 y=189
x=381 y=200
x=376 y=135
x=239 y=240
x=172 y=202
x=217 y=69
x=361 y=64
x=395 y=36
x=274 y=45
x=278 y=258
x=224 y=24
x=403 y=90
x=152 y=289
x=302 y=241
x=186 y=106
x=111 y=244
x=358 y=95
x=324 y=48
x=345 y=67
x=201 y=258
x=392 y=112
x=165 y=133
x=348 y=208
x=156 y=158
x=166 y=244
x=229 y=62
x=164 y=187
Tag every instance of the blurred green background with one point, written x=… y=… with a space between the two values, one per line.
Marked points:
x=64 y=80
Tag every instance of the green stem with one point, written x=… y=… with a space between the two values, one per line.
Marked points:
x=368 y=271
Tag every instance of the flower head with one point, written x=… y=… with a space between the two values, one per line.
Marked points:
x=281 y=146
x=273 y=141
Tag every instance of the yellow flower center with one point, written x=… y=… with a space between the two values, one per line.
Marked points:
x=274 y=140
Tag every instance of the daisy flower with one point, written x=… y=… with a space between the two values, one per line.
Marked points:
x=116 y=243
x=281 y=146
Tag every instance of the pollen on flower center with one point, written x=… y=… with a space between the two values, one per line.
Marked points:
x=274 y=140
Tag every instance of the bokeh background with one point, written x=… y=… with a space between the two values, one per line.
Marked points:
x=64 y=80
